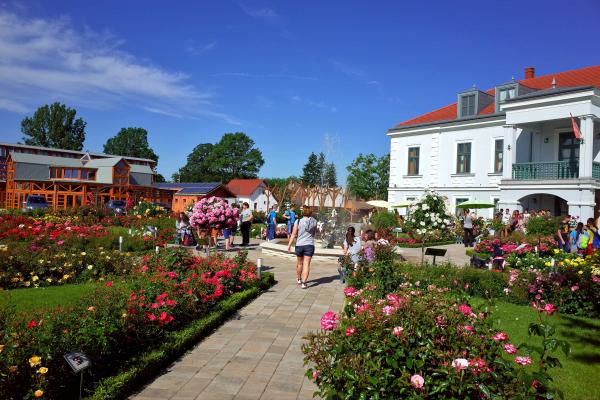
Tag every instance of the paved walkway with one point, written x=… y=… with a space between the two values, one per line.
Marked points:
x=257 y=354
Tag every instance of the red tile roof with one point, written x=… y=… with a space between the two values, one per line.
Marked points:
x=589 y=76
x=244 y=187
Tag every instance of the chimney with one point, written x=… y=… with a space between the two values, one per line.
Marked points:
x=529 y=72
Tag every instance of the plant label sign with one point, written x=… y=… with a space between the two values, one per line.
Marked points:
x=78 y=361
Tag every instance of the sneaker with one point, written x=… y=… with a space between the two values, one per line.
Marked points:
x=304 y=285
x=299 y=281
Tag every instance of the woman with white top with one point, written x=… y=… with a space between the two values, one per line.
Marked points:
x=352 y=246
x=304 y=230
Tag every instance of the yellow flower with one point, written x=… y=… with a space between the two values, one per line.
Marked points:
x=580 y=272
x=35 y=278
x=1 y=348
x=547 y=263
x=35 y=361
x=38 y=393
x=83 y=253
x=42 y=370
x=124 y=315
x=556 y=251
x=27 y=283
x=66 y=276
x=90 y=267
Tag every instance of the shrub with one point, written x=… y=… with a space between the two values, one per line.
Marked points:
x=543 y=226
x=384 y=220
x=418 y=343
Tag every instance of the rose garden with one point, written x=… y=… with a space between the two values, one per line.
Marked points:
x=116 y=289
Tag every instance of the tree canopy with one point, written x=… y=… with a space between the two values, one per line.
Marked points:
x=130 y=142
x=234 y=156
x=318 y=172
x=368 y=176
x=54 y=126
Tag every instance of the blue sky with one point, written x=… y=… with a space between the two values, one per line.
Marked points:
x=296 y=76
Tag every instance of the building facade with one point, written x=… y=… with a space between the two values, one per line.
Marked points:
x=186 y=194
x=254 y=192
x=512 y=145
x=70 y=179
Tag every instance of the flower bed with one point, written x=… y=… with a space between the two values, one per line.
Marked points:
x=416 y=343
x=115 y=322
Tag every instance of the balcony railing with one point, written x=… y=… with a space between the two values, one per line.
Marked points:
x=548 y=170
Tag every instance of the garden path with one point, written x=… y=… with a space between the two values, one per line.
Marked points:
x=257 y=354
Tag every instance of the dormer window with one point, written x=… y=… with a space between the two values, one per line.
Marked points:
x=467 y=106
x=507 y=93
x=471 y=102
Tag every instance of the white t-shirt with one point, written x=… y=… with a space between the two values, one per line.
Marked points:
x=355 y=247
x=307 y=228
x=246 y=215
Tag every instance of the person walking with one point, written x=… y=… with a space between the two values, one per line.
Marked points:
x=246 y=218
x=182 y=226
x=304 y=232
x=290 y=215
x=467 y=228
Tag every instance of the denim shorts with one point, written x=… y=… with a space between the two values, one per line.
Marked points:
x=307 y=250
x=226 y=233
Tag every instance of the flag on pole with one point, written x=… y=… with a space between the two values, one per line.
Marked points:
x=576 y=130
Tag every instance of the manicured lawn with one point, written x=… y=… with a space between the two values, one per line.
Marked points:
x=45 y=297
x=579 y=376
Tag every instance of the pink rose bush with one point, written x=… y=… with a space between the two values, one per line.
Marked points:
x=213 y=212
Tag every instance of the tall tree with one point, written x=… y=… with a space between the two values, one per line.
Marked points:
x=198 y=167
x=130 y=142
x=54 y=126
x=330 y=178
x=369 y=176
x=235 y=156
x=158 y=178
x=310 y=171
x=321 y=166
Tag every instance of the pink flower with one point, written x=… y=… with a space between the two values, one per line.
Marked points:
x=465 y=310
x=523 y=360
x=60 y=242
x=151 y=317
x=574 y=288
x=389 y=310
x=417 y=381
x=460 y=364
x=398 y=331
x=596 y=279
x=500 y=337
x=315 y=375
x=350 y=330
x=109 y=284
x=329 y=321
x=350 y=291
x=510 y=348
x=165 y=317
x=469 y=328
x=548 y=308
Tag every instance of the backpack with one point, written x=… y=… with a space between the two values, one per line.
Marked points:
x=582 y=240
x=188 y=238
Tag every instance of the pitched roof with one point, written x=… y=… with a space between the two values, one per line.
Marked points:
x=192 y=188
x=244 y=187
x=81 y=153
x=589 y=76
x=45 y=160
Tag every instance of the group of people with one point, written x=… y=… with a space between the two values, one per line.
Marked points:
x=186 y=236
x=271 y=230
x=517 y=221
x=577 y=237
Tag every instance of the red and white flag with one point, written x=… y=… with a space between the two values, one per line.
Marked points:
x=576 y=130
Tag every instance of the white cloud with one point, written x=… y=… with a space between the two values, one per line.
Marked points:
x=266 y=14
x=196 y=50
x=45 y=60
x=265 y=76
x=321 y=105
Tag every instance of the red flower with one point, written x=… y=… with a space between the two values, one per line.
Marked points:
x=32 y=324
x=109 y=284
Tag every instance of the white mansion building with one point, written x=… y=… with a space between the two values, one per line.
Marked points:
x=512 y=145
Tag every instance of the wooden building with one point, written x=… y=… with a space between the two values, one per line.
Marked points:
x=186 y=194
x=69 y=178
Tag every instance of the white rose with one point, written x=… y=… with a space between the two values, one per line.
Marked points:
x=460 y=363
x=422 y=223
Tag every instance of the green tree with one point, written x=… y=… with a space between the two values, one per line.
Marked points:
x=330 y=178
x=235 y=156
x=130 y=142
x=198 y=167
x=321 y=167
x=158 y=178
x=310 y=171
x=54 y=126
x=368 y=176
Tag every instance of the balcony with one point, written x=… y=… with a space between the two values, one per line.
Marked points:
x=552 y=170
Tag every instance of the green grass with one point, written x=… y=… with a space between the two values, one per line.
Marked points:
x=47 y=297
x=579 y=376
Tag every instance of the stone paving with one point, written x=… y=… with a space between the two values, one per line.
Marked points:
x=257 y=354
